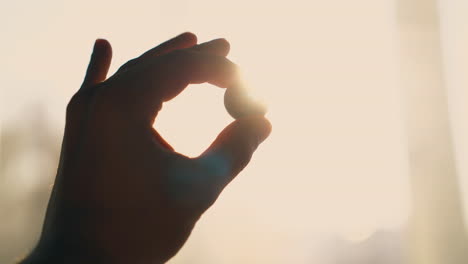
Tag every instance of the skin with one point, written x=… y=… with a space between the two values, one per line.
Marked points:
x=122 y=194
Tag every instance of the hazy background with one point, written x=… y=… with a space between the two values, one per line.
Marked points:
x=345 y=80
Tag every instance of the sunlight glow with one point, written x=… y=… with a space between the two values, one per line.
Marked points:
x=337 y=146
x=336 y=163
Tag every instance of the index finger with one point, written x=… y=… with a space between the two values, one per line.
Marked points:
x=183 y=67
x=182 y=41
x=168 y=75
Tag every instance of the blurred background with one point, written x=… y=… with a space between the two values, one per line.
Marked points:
x=368 y=159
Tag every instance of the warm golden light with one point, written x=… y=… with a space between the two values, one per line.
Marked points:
x=336 y=163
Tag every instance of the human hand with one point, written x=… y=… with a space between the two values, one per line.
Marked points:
x=122 y=194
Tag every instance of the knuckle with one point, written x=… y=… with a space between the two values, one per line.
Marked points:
x=179 y=55
x=80 y=101
x=75 y=105
x=127 y=65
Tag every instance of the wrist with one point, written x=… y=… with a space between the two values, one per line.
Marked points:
x=56 y=251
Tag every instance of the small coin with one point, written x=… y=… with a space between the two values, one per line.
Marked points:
x=239 y=104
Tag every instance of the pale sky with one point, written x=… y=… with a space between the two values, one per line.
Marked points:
x=336 y=162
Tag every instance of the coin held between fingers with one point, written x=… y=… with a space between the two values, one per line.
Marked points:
x=239 y=104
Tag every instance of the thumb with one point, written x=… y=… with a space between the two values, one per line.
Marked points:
x=233 y=148
x=99 y=64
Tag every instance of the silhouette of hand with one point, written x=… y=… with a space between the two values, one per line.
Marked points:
x=122 y=194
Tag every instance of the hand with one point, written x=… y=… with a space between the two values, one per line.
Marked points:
x=122 y=194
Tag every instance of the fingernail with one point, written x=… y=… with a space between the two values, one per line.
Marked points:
x=98 y=42
x=188 y=35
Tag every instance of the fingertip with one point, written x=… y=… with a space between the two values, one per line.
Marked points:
x=244 y=135
x=225 y=44
x=99 y=64
x=189 y=37
x=259 y=125
x=102 y=47
x=267 y=127
x=219 y=47
x=100 y=42
x=222 y=46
